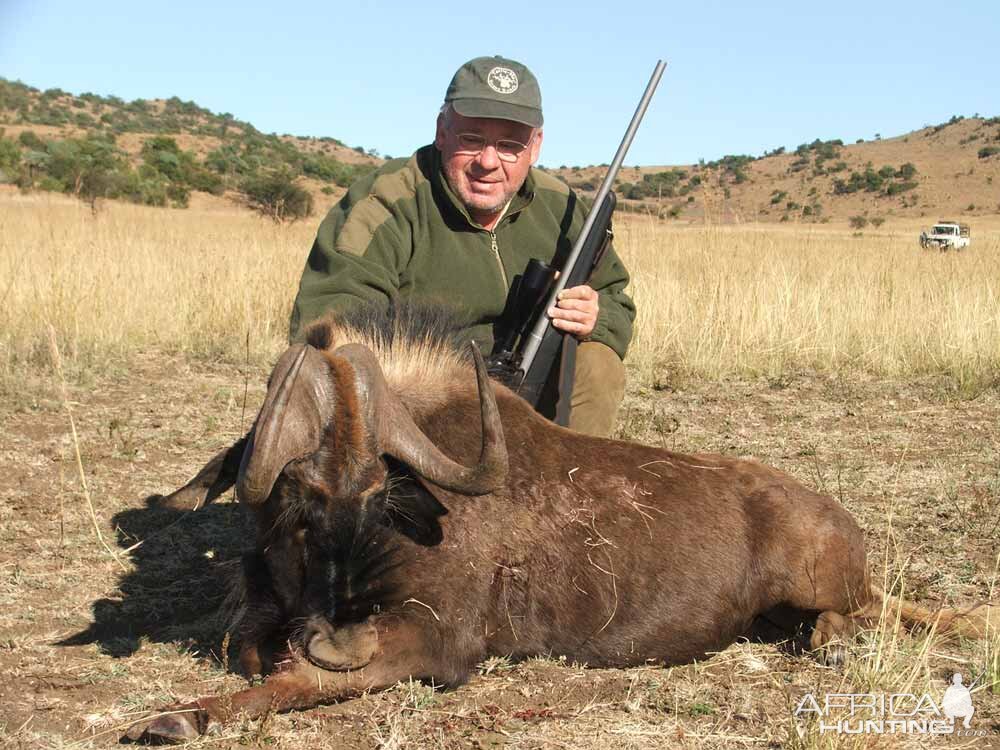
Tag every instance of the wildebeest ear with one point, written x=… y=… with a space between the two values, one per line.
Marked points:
x=301 y=400
x=411 y=507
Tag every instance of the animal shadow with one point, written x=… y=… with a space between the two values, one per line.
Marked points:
x=184 y=565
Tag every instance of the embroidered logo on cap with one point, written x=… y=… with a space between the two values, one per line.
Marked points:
x=502 y=80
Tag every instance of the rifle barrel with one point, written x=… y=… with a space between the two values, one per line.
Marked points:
x=535 y=337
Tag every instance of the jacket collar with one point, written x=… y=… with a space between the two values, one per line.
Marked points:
x=518 y=203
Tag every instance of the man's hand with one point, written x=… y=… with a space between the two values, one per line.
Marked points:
x=576 y=311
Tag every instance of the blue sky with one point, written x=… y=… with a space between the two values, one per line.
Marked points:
x=741 y=77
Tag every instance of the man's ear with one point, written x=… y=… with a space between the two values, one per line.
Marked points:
x=440 y=132
x=536 y=147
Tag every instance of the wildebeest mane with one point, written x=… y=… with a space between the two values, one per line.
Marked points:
x=420 y=347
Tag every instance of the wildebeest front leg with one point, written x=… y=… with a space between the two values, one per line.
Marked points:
x=400 y=654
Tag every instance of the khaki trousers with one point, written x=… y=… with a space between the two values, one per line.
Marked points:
x=598 y=388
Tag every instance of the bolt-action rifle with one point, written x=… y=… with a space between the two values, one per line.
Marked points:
x=529 y=354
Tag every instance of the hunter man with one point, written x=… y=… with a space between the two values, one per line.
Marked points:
x=456 y=221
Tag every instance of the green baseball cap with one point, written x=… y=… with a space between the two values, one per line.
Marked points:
x=498 y=88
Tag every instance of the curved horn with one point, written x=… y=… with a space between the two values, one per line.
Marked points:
x=300 y=401
x=398 y=435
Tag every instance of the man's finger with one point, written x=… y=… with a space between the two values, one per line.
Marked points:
x=578 y=304
x=579 y=316
x=579 y=329
x=578 y=292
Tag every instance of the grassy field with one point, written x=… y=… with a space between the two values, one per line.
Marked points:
x=859 y=364
x=713 y=301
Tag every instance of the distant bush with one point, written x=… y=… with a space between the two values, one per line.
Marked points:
x=10 y=157
x=954 y=119
x=276 y=195
x=988 y=151
x=328 y=169
x=732 y=165
x=178 y=195
x=799 y=164
x=900 y=187
x=881 y=181
x=877 y=221
x=28 y=139
x=858 y=222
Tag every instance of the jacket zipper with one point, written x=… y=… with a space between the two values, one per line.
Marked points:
x=496 y=254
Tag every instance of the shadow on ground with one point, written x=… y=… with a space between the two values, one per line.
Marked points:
x=184 y=565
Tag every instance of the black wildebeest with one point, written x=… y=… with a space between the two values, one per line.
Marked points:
x=411 y=524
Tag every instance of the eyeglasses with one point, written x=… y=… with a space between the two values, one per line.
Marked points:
x=507 y=150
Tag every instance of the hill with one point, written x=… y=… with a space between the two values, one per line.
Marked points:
x=949 y=169
x=161 y=152
x=170 y=152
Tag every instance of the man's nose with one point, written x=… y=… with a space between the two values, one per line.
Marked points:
x=488 y=158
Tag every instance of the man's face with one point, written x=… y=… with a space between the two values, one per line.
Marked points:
x=484 y=182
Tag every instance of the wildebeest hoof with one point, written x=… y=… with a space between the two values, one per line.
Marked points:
x=343 y=648
x=170 y=729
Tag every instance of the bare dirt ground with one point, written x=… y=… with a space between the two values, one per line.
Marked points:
x=92 y=637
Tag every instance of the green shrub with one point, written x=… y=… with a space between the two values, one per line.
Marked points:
x=10 y=155
x=858 y=222
x=178 y=195
x=51 y=184
x=328 y=169
x=988 y=151
x=28 y=139
x=900 y=187
x=276 y=195
x=164 y=155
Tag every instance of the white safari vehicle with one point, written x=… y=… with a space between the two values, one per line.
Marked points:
x=946 y=235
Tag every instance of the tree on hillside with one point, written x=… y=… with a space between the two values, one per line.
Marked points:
x=276 y=195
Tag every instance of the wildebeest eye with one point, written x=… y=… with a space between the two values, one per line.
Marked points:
x=410 y=508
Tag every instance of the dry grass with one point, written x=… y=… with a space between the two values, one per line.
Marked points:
x=131 y=278
x=717 y=301
x=713 y=301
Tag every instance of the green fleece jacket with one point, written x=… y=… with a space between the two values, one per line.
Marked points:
x=401 y=233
